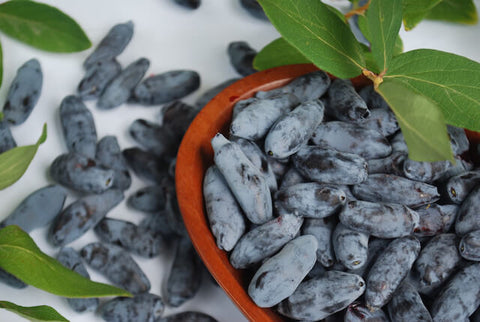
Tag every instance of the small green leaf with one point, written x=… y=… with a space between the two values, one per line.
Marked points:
x=34 y=313
x=14 y=162
x=384 y=18
x=42 y=26
x=452 y=82
x=318 y=33
x=20 y=256
x=415 y=11
x=420 y=120
x=269 y=56
x=462 y=11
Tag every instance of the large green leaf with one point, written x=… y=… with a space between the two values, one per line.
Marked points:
x=20 y=256
x=14 y=162
x=34 y=313
x=384 y=17
x=42 y=26
x=420 y=120
x=415 y=11
x=316 y=31
x=451 y=81
x=278 y=53
x=463 y=11
x=369 y=59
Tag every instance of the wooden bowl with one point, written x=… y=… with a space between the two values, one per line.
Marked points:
x=195 y=155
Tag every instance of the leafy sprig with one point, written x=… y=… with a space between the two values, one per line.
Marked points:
x=425 y=88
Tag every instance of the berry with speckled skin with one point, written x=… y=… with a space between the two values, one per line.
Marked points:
x=437 y=261
x=78 y=126
x=330 y=166
x=357 y=312
x=265 y=240
x=23 y=93
x=350 y=246
x=322 y=230
x=185 y=278
x=389 y=188
x=81 y=173
x=407 y=305
x=459 y=186
x=109 y=155
x=259 y=159
x=224 y=214
x=241 y=57
x=279 y=276
x=307 y=87
x=141 y=307
x=244 y=179
x=468 y=216
x=136 y=239
x=38 y=209
x=469 y=246
x=166 y=87
x=97 y=77
x=379 y=220
x=435 y=219
x=344 y=103
x=118 y=91
x=111 y=45
x=351 y=138
x=318 y=298
x=81 y=215
x=460 y=297
x=255 y=119
x=116 y=265
x=310 y=199
x=292 y=130
x=146 y=165
x=388 y=271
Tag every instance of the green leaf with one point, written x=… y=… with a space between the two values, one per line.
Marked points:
x=42 y=26
x=398 y=47
x=452 y=82
x=34 y=313
x=370 y=62
x=420 y=120
x=462 y=11
x=369 y=59
x=269 y=56
x=14 y=162
x=318 y=33
x=20 y=256
x=415 y=11
x=384 y=18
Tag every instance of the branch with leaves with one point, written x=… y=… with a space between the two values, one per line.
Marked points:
x=426 y=89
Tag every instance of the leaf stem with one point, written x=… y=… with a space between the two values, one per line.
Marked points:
x=377 y=79
x=357 y=11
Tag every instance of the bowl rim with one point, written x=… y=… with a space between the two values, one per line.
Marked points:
x=193 y=158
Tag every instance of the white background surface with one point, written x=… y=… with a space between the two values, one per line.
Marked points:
x=172 y=38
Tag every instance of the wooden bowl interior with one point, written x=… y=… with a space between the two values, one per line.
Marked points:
x=195 y=155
